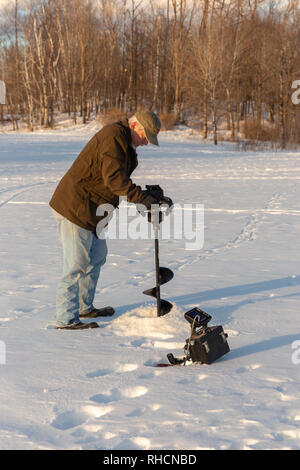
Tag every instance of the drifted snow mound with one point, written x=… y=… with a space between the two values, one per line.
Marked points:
x=143 y=321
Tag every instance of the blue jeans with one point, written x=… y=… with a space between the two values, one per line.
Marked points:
x=83 y=256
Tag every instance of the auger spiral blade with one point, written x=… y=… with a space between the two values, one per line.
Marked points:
x=163 y=275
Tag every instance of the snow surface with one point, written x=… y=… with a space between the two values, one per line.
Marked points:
x=100 y=389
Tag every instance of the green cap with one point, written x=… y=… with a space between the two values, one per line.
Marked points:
x=150 y=123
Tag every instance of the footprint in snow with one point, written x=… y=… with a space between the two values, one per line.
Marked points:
x=135 y=392
x=136 y=413
x=134 y=443
x=241 y=370
x=99 y=373
x=138 y=342
x=115 y=394
x=71 y=419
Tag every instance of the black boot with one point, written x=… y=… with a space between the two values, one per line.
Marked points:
x=78 y=326
x=98 y=312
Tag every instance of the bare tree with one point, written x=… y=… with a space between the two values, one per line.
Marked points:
x=218 y=60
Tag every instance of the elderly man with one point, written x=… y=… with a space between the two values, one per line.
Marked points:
x=99 y=175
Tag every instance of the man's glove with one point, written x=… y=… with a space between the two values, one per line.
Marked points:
x=166 y=201
x=157 y=193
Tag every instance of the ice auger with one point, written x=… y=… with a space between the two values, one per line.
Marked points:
x=163 y=275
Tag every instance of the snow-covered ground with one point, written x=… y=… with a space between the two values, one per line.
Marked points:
x=100 y=389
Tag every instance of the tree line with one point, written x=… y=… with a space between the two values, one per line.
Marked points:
x=207 y=62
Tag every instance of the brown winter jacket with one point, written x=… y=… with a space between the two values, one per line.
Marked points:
x=99 y=175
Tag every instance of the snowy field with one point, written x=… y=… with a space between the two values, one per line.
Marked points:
x=100 y=389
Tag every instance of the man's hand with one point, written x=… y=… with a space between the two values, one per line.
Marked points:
x=166 y=201
x=155 y=214
x=155 y=190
